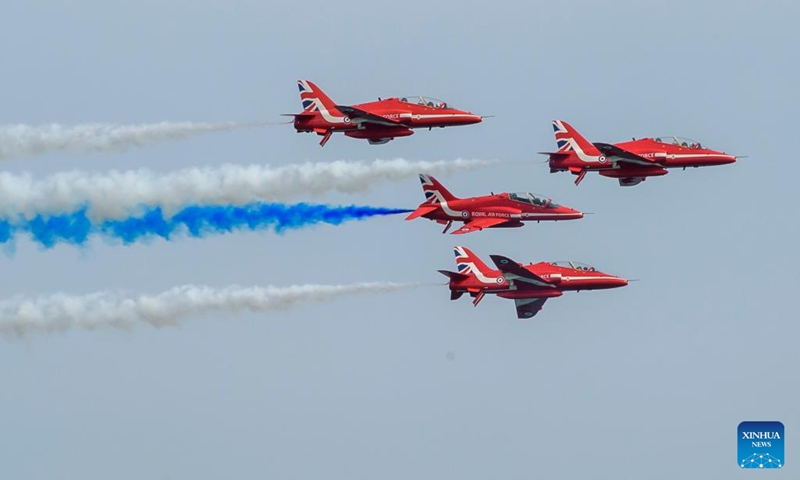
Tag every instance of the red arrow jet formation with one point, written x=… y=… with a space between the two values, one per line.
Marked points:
x=629 y=162
x=377 y=122
x=528 y=285
x=501 y=210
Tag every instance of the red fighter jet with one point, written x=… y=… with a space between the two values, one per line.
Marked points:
x=501 y=210
x=377 y=122
x=629 y=162
x=529 y=285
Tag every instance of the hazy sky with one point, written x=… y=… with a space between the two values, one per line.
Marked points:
x=649 y=380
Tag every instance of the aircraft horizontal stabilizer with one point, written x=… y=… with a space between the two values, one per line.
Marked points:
x=556 y=155
x=455 y=276
x=421 y=210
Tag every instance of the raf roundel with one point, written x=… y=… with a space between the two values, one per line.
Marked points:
x=465 y=213
x=500 y=280
x=602 y=159
x=346 y=119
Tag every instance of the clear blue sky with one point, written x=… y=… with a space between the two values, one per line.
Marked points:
x=649 y=380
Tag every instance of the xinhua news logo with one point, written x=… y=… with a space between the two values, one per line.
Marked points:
x=761 y=445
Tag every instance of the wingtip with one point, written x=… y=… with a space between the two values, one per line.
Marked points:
x=500 y=260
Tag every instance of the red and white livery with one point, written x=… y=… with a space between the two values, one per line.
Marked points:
x=528 y=285
x=629 y=162
x=377 y=122
x=500 y=210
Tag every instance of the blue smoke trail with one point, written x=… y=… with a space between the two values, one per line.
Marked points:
x=197 y=221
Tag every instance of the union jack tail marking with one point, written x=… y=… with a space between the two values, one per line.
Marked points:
x=315 y=100
x=569 y=140
x=434 y=191
x=467 y=263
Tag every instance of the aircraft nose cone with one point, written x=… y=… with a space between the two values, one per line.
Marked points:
x=462 y=117
x=615 y=282
x=570 y=213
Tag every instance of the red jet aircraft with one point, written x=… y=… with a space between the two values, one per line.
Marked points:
x=502 y=210
x=377 y=122
x=529 y=285
x=629 y=162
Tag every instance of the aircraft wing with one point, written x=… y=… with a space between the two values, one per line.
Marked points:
x=623 y=155
x=529 y=307
x=479 y=224
x=360 y=116
x=630 y=181
x=522 y=277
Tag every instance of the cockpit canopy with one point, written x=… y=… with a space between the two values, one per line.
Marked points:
x=531 y=199
x=681 y=141
x=574 y=266
x=426 y=101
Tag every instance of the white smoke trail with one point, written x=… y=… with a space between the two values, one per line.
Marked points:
x=60 y=312
x=118 y=194
x=24 y=140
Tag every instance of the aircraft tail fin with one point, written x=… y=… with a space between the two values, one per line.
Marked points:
x=434 y=191
x=314 y=99
x=467 y=263
x=568 y=140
